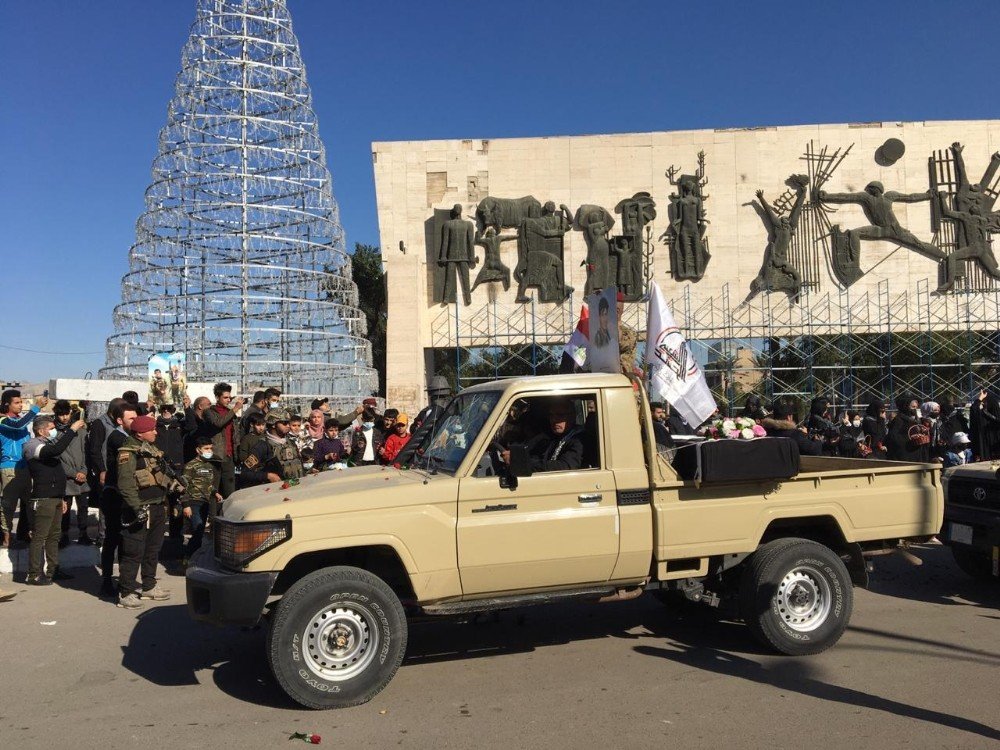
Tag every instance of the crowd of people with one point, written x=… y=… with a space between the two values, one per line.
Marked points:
x=159 y=471
x=929 y=431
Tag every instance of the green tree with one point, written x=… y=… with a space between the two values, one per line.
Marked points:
x=370 y=278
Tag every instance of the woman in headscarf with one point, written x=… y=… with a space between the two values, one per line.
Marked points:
x=849 y=424
x=952 y=420
x=875 y=428
x=906 y=440
x=820 y=426
x=315 y=427
x=984 y=426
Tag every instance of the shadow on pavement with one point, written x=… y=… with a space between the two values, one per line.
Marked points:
x=168 y=648
x=938 y=581
x=800 y=676
x=524 y=630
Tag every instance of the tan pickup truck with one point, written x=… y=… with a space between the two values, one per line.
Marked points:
x=507 y=508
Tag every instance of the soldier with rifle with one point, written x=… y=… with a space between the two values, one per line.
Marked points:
x=144 y=479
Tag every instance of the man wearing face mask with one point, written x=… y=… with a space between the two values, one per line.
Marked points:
x=48 y=486
x=273 y=398
x=367 y=451
x=202 y=475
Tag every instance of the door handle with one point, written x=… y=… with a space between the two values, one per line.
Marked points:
x=594 y=497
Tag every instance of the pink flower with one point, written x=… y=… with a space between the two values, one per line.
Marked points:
x=734 y=434
x=759 y=431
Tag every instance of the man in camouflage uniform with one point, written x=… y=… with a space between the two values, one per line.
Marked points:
x=159 y=389
x=202 y=475
x=143 y=484
x=275 y=458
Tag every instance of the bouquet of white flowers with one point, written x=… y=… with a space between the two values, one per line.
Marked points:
x=739 y=428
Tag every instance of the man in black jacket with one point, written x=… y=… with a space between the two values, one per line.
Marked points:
x=111 y=500
x=170 y=440
x=48 y=485
x=559 y=449
x=661 y=432
x=782 y=423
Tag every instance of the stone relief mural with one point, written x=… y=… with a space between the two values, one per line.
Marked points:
x=540 y=255
x=778 y=274
x=802 y=236
x=686 y=233
x=634 y=247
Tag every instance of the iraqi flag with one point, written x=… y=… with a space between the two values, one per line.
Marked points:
x=674 y=374
x=575 y=351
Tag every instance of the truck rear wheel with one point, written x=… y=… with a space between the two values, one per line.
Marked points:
x=975 y=564
x=796 y=596
x=336 y=639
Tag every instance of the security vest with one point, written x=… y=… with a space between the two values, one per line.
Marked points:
x=287 y=456
x=141 y=474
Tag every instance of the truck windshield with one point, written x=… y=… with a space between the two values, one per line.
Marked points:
x=457 y=429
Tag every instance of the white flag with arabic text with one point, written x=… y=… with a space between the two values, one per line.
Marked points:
x=674 y=374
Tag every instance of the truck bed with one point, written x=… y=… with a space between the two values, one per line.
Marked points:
x=868 y=500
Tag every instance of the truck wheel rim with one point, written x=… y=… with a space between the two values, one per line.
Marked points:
x=340 y=641
x=803 y=599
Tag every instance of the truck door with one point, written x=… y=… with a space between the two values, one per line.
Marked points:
x=560 y=525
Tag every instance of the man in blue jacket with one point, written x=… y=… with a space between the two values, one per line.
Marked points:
x=15 y=482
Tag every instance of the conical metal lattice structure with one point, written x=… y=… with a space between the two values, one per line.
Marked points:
x=239 y=259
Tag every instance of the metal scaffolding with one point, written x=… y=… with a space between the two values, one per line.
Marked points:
x=849 y=347
x=239 y=259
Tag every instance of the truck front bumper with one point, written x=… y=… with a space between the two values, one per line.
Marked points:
x=971 y=527
x=221 y=597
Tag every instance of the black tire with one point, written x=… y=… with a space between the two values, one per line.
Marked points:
x=336 y=638
x=796 y=596
x=976 y=564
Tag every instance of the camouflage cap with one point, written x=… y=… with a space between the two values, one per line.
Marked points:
x=277 y=415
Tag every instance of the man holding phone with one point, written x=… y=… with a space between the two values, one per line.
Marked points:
x=219 y=425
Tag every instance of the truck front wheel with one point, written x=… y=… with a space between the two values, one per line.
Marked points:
x=796 y=596
x=336 y=639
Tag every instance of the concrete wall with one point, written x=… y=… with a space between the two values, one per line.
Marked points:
x=413 y=178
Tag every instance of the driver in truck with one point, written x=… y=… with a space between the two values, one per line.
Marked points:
x=559 y=449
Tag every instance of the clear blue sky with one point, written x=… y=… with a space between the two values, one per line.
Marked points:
x=84 y=87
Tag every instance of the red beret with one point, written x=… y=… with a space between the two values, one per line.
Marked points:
x=144 y=423
x=369 y=402
x=621 y=297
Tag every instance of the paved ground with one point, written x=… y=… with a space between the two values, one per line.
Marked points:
x=917 y=669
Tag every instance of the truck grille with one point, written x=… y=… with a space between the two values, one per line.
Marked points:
x=225 y=542
x=974 y=493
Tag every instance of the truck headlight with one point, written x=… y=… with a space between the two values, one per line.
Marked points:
x=237 y=543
